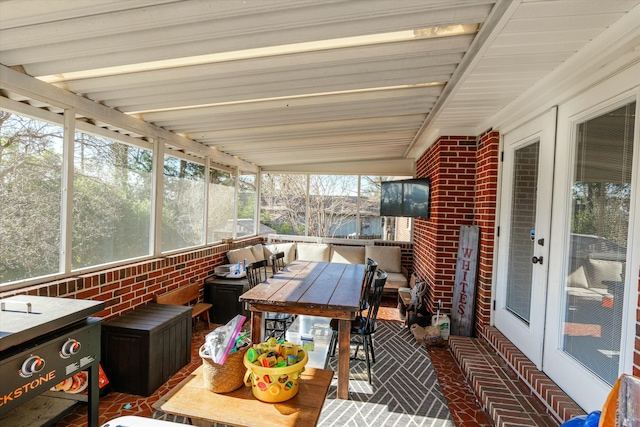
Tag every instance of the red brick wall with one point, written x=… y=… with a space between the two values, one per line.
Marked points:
x=464 y=184
x=486 y=190
x=450 y=163
x=126 y=287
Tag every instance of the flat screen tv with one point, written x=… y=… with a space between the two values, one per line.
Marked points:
x=408 y=198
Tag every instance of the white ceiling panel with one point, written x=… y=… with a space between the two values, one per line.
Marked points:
x=293 y=84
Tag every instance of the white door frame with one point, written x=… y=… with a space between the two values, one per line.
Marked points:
x=529 y=338
x=584 y=387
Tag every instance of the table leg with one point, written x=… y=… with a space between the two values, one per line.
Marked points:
x=344 y=349
x=256 y=327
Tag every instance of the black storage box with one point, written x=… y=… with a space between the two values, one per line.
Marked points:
x=224 y=295
x=143 y=348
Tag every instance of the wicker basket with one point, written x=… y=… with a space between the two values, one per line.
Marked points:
x=223 y=378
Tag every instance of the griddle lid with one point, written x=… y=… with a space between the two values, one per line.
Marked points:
x=25 y=317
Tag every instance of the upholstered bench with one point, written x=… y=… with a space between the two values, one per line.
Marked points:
x=389 y=258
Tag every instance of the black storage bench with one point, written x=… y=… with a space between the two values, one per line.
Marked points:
x=143 y=348
x=224 y=296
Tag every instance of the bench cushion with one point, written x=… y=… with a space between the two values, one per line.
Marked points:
x=388 y=259
x=258 y=252
x=347 y=254
x=239 y=255
x=289 y=250
x=394 y=282
x=313 y=252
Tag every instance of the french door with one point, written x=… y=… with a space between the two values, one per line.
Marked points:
x=523 y=253
x=594 y=255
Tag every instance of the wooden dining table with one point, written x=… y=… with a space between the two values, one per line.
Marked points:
x=312 y=288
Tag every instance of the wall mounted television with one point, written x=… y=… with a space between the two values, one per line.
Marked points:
x=406 y=198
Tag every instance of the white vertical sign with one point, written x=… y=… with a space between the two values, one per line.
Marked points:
x=464 y=288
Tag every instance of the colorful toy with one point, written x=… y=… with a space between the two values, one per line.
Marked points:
x=273 y=369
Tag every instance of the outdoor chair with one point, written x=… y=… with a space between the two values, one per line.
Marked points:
x=277 y=262
x=256 y=272
x=276 y=324
x=363 y=326
x=369 y=273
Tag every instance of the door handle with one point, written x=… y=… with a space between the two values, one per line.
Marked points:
x=537 y=260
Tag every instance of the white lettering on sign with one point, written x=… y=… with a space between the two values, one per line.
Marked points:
x=465 y=282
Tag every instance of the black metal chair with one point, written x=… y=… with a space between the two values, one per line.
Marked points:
x=369 y=273
x=277 y=262
x=276 y=324
x=364 y=326
x=256 y=272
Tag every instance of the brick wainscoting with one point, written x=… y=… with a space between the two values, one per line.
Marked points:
x=125 y=287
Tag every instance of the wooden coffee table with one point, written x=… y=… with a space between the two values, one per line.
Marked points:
x=240 y=408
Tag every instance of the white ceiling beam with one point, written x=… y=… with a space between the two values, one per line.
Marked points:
x=399 y=167
x=435 y=51
x=18 y=82
x=408 y=94
x=132 y=41
x=283 y=89
x=388 y=72
x=497 y=19
x=355 y=140
x=309 y=129
x=240 y=124
x=613 y=49
x=20 y=13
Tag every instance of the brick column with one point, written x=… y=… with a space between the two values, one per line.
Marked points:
x=486 y=191
x=450 y=163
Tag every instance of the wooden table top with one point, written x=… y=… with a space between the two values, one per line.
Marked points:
x=240 y=408
x=309 y=287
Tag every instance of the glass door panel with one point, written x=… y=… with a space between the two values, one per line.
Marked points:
x=522 y=231
x=592 y=298
x=598 y=241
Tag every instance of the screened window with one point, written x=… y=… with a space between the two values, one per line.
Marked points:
x=246 y=205
x=374 y=226
x=221 y=205
x=30 y=191
x=183 y=204
x=111 y=201
x=334 y=206
x=284 y=203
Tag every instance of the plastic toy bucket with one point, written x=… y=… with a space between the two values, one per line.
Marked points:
x=274 y=385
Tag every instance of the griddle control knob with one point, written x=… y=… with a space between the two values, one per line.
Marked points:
x=69 y=348
x=32 y=365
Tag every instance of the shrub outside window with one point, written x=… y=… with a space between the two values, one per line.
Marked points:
x=30 y=190
x=183 y=204
x=112 y=186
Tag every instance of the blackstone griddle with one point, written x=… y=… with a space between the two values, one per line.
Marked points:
x=43 y=341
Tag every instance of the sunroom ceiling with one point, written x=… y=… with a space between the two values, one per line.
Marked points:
x=305 y=85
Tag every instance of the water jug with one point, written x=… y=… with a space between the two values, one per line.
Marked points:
x=442 y=320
